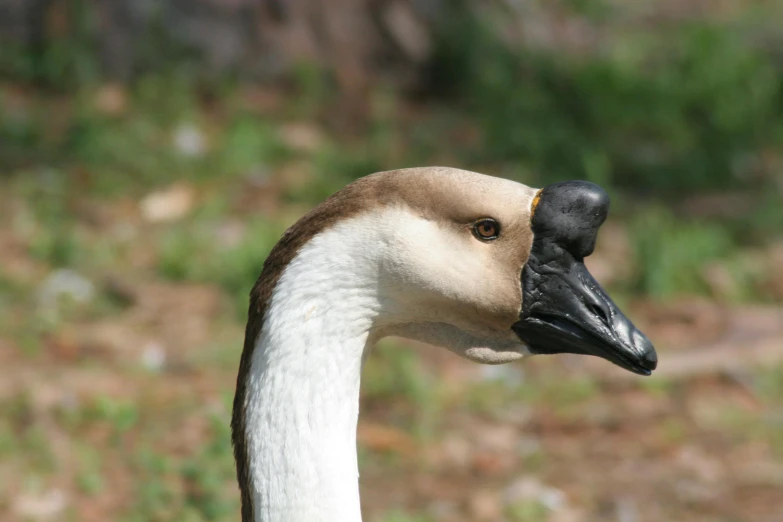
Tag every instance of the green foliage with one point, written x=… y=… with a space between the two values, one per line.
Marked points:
x=90 y=482
x=137 y=147
x=528 y=511
x=334 y=168
x=315 y=89
x=769 y=383
x=673 y=431
x=8 y=438
x=555 y=393
x=22 y=436
x=199 y=486
x=133 y=145
x=684 y=113
x=657 y=386
x=671 y=253
x=54 y=240
x=764 y=220
x=207 y=473
x=568 y=392
x=58 y=247
x=66 y=59
x=394 y=373
x=122 y=416
x=90 y=479
x=193 y=252
x=250 y=145
x=157 y=496
x=22 y=131
x=66 y=56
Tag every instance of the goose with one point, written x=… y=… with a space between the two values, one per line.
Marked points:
x=486 y=267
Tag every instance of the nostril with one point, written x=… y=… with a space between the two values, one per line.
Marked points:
x=599 y=312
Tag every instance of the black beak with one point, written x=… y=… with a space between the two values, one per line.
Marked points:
x=564 y=309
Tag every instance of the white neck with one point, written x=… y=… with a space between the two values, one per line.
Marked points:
x=303 y=385
x=387 y=272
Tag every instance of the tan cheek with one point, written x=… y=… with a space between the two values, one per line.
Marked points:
x=495 y=292
x=457 y=277
x=504 y=299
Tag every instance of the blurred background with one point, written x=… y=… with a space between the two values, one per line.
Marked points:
x=152 y=152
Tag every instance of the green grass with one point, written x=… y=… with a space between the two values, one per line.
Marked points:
x=207 y=474
x=657 y=386
x=90 y=479
x=193 y=252
x=199 y=486
x=394 y=374
x=528 y=511
x=563 y=397
x=672 y=431
x=671 y=254
x=675 y=255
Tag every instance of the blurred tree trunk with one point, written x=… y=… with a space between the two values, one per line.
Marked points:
x=358 y=41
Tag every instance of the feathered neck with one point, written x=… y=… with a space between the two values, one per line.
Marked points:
x=300 y=402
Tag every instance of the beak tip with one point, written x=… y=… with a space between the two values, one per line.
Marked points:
x=648 y=357
x=649 y=366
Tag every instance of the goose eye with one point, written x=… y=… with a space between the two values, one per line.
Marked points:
x=486 y=229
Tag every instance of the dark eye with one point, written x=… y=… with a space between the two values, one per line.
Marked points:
x=486 y=229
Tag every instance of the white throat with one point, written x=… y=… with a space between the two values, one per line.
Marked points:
x=303 y=385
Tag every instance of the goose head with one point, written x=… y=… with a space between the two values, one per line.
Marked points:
x=494 y=270
x=488 y=268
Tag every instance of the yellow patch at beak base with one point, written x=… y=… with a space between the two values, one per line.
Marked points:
x=533 y=206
